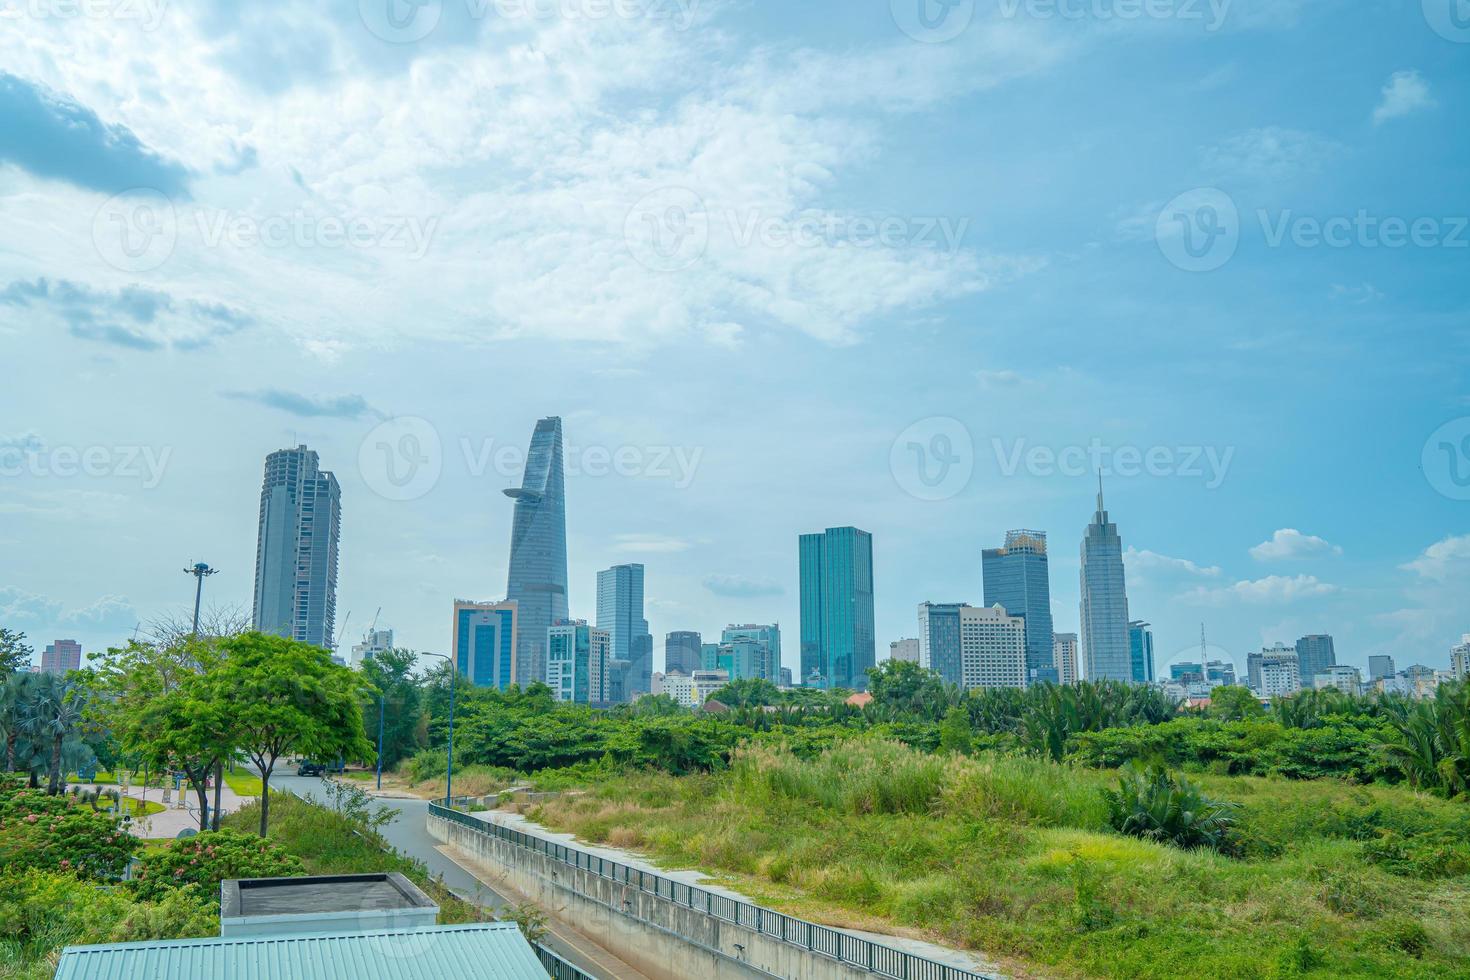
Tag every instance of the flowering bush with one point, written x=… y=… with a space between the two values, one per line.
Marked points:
x=57 y=833
x=209 y=858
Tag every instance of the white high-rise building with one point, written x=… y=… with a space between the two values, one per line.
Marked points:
x=992 y=647
x=374 y=641
x=1348 y=680
x=1064 y=652
x=296 y=549
x=1460 y=659
x=691 y=690
x=1279 y=677
x=907 y=649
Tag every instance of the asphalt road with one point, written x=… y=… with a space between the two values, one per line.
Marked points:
x=407 y=833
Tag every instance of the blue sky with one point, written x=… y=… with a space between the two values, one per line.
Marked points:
x=756 y=254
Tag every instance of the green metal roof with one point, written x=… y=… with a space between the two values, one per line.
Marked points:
x=495 y=951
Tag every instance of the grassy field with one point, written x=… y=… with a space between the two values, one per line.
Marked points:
x=1014 y=858
x=243 y=782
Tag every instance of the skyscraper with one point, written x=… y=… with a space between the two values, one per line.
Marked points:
x=538 y=550
x=1065 y=647
x=1105 y=653
x=620 y=613
x=939 y=639
x=681 y=651
x=1314 y=654
x=296 y=548
x=61 y=656
x=837 y=634
x=485 y=642
x=1141 y=653
x=1278 y=658
x=755 y=646
x=577 y=662
x=1381 y=664
x=1016 y=576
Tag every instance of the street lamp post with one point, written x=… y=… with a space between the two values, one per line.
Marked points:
x=200 y=570
x=453 y=682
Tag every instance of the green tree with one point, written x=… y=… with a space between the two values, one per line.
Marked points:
x=1235 y=703
x=390 y=673
x=954 y=732
x=287 y=697
x=747 y=692
x=902 y=687
x=53 y=716
x=15 y=653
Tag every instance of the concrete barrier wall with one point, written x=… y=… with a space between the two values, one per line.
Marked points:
x=660 y=937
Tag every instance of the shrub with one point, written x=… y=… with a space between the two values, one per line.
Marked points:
x=207 y=859
x=59 y=833
x=1151 y=804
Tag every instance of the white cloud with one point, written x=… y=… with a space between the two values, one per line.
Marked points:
x=1270 y=153
x=742 y=587
x=1443 y=559
x=1271 y=589
x=1289 y=544
x=1404 y=93
x=1152 y=561
x=651 y=543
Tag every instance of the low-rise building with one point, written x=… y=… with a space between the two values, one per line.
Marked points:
x=1460 y=658
x=691 y=690
x=1346 y=679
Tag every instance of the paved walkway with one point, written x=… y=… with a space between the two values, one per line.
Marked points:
x=169 y=822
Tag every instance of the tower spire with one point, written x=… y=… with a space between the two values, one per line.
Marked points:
x=1099 y=493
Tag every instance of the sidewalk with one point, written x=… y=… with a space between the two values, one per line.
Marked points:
x=172 y=820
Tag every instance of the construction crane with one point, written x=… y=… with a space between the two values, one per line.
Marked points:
x=337 y=643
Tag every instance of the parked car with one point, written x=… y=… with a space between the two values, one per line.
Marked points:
x=309 y=768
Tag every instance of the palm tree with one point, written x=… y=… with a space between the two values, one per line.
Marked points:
x=53 y=717
x=15 y=694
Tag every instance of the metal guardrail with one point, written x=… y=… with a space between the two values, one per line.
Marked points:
x=558 y=968
x=841 y=946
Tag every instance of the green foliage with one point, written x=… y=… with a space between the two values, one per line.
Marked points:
x=530 y=919
x=1234 y=702
x=42 y=911
x=60 y=833
x=206 y=859
x=390 y=673
x=15 y=653
x=852 y=777
x=286 y=697
x=747 y=692
x=1430 y=742
x=1153 y=804
x=954 y=732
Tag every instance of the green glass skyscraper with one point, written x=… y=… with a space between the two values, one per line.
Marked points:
x=837 y=634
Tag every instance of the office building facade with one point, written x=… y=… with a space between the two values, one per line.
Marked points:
x=1104 y=606
x=838 y=642
x=537 y=579
x=620 y=613
x=578 y=659
x=1314 y=654
x=992 y=648
x=939 y=640
x=1141 y=652
x=1274 y=655
x=61 y=656
x=906 y=649
x=681 y=651
x=1380 y=665
x=486 y=642
x=1017 y=576
x=296 y=549
x=375 y=641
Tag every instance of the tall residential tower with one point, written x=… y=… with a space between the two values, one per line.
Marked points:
x=620 y=614
x=538 y=550
x=296 y=548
